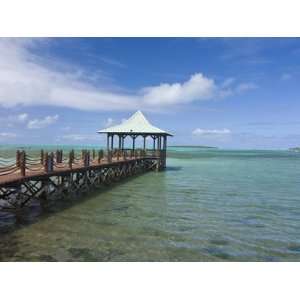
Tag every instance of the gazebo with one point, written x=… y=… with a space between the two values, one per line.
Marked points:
x=137 y=125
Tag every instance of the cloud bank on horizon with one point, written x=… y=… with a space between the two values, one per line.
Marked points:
x=29 y=79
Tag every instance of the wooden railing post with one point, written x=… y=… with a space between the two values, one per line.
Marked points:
x=18 y=157
x=70 y=160
x=51 y=162
x=100 y=156
x=57 y=156
x=46 y=161
x=109 y=156
x=42 y=157
x=60 y=154
x=23 y=163
x=86 y=158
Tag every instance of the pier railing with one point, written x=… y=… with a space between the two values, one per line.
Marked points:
x=47 y=162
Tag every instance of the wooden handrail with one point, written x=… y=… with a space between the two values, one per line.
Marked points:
x=50 y=161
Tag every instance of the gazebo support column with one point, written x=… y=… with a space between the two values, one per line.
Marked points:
x=112 y=142
x=107 y=142
x=159 y=143
x=164 y=152
x=123 y=139
x=144 y=146
x=133 y=144
x=161 y=148
x=120 y=142
x=159 y=152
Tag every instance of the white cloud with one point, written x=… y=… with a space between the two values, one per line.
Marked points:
x=22 y=117
x=81 y=137
x=7 y=135
x=28 y=79
x=12 y=120
x=112 y=122
x=41 y=123
x=198 y=87
x=228 y=88
x=109 y=122
x=210 y=132
x=286 y=76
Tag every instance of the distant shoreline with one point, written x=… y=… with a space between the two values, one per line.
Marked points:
x=185 y=146
x=296 y=149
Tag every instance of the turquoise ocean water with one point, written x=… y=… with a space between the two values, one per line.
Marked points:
x=209 y=205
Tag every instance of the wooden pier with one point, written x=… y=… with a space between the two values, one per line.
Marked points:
x=58 y=174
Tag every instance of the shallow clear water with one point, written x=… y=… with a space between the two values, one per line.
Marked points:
x=209 y=205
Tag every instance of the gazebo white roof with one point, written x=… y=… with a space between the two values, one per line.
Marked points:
x=136 y=124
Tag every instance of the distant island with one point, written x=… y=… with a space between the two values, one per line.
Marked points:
x=297 y=149
x=186 y=146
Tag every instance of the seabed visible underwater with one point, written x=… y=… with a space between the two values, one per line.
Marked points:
x=209 y=205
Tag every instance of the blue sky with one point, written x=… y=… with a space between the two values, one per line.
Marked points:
x=225 y=92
